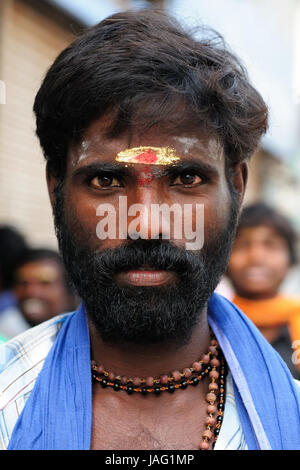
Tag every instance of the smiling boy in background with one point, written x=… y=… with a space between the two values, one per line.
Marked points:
x=263 y=254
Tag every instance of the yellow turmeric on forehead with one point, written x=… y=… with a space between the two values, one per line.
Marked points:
x=148 y=155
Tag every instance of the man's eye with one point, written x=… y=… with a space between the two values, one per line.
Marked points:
x=187 y=179
x=105 y=181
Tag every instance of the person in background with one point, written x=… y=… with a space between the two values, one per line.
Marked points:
x=12 y=246
x=263 y=253
x=42 y=290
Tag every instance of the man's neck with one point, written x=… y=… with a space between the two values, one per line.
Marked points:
x=140 y=360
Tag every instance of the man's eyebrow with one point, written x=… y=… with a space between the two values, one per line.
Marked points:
x=121 y=170
x=105 y=167
x=192 y=164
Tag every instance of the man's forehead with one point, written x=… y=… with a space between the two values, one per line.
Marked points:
x=151 y=147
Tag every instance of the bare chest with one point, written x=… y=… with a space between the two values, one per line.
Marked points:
x=144 y=426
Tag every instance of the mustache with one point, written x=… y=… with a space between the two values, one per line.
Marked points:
x=157 y=254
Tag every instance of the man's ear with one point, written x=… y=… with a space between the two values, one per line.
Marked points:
x=239 y=179
x=51 y=184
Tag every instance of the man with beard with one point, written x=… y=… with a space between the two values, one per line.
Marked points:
x=136 y=108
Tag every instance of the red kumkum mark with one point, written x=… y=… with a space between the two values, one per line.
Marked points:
x=147 y=157
x=146 y=177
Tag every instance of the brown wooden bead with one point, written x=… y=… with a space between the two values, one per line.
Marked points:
x=100 y=369
x=176 y=375
x=187 y=372
x=215 y=362
x=207 y=433
x=210 y=420
x=136 y=381
x=211 y=409
x=206 y=358
x=211 y=397
x=213 y=386
x=214 y=374
x=164 y=379
x=213 y=350
x=150 y=381
x=204 y=445
x=124 y=380
x=111 y=376
x=197 y=366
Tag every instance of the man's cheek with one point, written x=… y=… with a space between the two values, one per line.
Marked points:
x=81 y=221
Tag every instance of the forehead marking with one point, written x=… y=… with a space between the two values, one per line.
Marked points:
x=188 y=142
x=213 y=148
x=148 y=155
x=146 y=176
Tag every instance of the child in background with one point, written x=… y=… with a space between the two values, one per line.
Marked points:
x=262 y=255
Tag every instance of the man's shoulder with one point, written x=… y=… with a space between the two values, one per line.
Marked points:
x=21 y=360
x=25 y=351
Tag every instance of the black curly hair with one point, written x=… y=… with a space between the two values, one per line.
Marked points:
x=145 y=69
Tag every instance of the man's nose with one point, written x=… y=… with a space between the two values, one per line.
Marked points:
x=141 y=212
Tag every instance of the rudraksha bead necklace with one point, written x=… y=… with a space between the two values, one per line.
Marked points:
x=215 y=408
x=211 y=364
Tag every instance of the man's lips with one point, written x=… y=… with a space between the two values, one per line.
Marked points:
x=145 y=276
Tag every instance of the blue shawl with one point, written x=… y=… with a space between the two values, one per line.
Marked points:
x=58 y=412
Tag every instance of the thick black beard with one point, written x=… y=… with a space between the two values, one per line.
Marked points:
x=143 y=315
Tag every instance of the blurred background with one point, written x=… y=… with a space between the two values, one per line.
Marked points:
x=265 y=34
